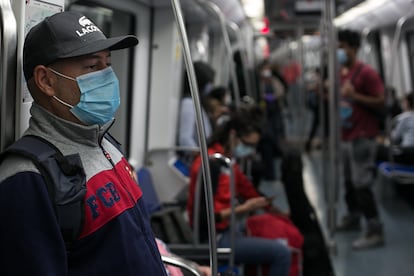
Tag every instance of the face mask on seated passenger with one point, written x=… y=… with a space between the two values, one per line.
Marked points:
x=99 y=99
x=242 y=150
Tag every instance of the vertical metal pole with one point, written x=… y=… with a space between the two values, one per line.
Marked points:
x=229 y=165
x=301 y=90
x=197 y=206
x=201 y=135
x=334 y=130
x=322 y=106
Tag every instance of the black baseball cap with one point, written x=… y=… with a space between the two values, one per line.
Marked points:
x=64 y=35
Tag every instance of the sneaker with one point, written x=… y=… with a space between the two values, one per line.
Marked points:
x=369 y=241
x=349 y=222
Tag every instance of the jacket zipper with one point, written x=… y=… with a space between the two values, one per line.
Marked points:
x=137 y=215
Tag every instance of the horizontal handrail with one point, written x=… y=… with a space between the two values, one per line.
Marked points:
x=181 y=263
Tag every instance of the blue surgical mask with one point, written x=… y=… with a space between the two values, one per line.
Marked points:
x=99 y=99
x=242 y=150
x=341 y=56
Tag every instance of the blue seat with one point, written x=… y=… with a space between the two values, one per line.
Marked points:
x=152 y=202
x=403 y=174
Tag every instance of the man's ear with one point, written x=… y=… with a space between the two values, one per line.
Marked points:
x=44 y=80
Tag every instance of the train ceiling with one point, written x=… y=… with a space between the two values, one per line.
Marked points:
x=371 y=13
x=285 y=15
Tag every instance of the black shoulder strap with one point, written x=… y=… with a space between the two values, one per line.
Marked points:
x=65 y=180
x=356 y=73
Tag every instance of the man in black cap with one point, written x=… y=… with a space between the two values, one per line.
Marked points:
x=66 y=63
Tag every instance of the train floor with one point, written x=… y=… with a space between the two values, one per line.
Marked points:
x=395 y=258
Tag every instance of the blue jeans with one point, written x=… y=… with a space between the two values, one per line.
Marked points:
x=254 y=250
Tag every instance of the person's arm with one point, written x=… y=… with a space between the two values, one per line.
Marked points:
x=187 y=124
x=374 y=96
x=244 y=186
x=30 y=237
x=249 y=205
x=349 y=91
x=397 y=132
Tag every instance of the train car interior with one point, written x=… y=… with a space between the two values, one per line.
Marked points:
x=303 y=174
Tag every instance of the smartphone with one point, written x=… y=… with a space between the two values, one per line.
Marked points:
x=270 y=198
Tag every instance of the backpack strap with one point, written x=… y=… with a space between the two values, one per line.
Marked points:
x=65 y=180
x=356 y=73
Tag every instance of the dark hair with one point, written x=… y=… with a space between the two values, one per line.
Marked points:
x=352 y=38
x=410 y=99
x=218 y=93
x=204 y=74
x=243 y=121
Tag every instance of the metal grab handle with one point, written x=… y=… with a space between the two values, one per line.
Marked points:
x=215 y=9
x=395 y=44
x=8 y=40
x=197 y=203
x=181 y=263
x=201 y=134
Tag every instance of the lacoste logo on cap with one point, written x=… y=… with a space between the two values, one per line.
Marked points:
x=87 y=27
x=83 y=21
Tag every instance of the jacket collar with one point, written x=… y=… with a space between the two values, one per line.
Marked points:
x=51 y=127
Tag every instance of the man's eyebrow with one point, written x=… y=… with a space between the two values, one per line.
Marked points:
x=94 y=56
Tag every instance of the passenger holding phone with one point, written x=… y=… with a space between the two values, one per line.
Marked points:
x=237 y=138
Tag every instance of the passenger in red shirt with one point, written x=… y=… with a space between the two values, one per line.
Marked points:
x=237 y=138
x=362 y=97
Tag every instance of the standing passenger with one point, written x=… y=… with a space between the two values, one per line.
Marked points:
x=68 y=71
x=362 y=93
x=272 y=91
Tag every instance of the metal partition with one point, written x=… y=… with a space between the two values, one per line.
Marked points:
x=201 y=134
x=8 y=57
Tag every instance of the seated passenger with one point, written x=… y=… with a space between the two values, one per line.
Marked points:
x=187 y=135
x=237 y=138
x=220 y=103
x=402 y=134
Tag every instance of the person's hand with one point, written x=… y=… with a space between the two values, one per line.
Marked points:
x=205 y=270
x=347 y=90
x=255 y=203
